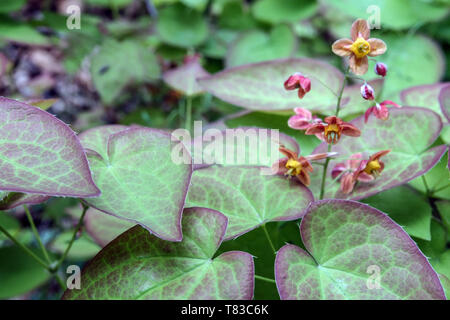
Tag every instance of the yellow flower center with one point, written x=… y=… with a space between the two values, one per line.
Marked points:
x=360 y=47
x=373 y=168
x=332 y=133
x=294 y=167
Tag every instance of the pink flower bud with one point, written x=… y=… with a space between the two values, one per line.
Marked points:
x=381 y=69
x=367 y=92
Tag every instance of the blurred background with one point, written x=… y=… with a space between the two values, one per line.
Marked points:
x=103 y=61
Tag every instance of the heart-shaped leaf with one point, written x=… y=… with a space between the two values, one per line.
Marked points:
x=184 y=78
x=397 y=14
x=141 y=266
x=41 y=154
x=247 y=197
x=96 y=139
x=279 y=43
x=139 y=180
x=407 y=133
x=279 y=11
x=10 y=200
x=103 y=228
x=426 y=96
x=118 y=64
x=180 y=26
x=260 y=86
x=353 y=251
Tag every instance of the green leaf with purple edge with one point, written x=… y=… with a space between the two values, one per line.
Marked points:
x=425 y=96
x=141 y=266
x=248 y=196
x=444 y=101
x=139 y=180
x=41 y=154
x=260 y=86
x=347 y=245
x=10 y=200
x=184 y=78
x=408 y=133
x=249 y=146
x=96 y=139
x=103 y=228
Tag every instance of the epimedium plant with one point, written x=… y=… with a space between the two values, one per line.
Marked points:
x=180 y=231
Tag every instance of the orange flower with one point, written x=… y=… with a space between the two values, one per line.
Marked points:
x=297 y=166
x=333 y=128
x=359 y=47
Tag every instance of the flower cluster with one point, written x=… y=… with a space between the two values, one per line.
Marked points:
x=356 y=169
x=331 y=128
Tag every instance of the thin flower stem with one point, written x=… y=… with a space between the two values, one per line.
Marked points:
x=356 y=78
x=188 y=113
x=338 y=107
x=268 y=238
x=80 y=222
x=24 y=248
x=324 y=174
x=36 y=234
x=265 y=279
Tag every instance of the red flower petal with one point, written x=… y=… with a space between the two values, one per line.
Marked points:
x=367 y=113
x=315 y=129
x=304 y=178
x=389 y=102
x=347 y=183
x=338 y=169
x=298 y=122
x=305 y=113
x=350 y=130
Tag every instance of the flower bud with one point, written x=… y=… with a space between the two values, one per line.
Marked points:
x=300 y=82
x=293 y=82
x=367 y=92
x=381 y=69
